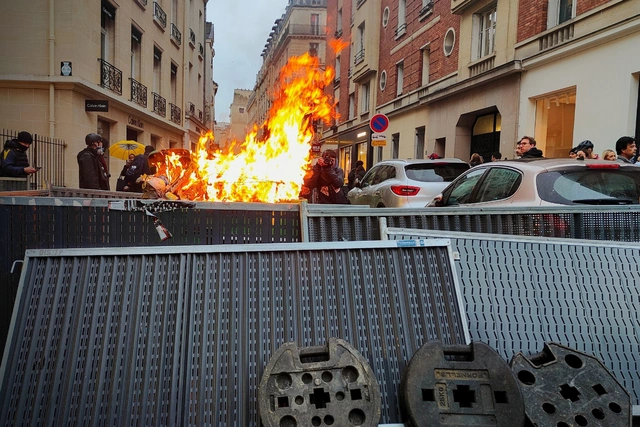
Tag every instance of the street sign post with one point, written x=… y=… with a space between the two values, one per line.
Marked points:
x=379 y=123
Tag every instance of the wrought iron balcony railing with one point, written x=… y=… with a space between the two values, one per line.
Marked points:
x=176 y=35
x=159 y=15
x=426 y=9
x=200 y=115
x=142 y=3
x=359 y=57
x=359 y=3
x=192 y=38
x=176 y=114
x=192 y=108
x=402 y=28
x=138 y=93
x=200 y=50
x=159 y=105
x=110 y=77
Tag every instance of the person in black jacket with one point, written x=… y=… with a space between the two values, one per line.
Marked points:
x=15 y=162
x=139 y=166
x=356 y=175
x=92 y=174
x=327 y=178
x=527 y=149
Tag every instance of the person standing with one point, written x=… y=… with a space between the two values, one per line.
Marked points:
x=626 y=149
x=327 y=178
x=356 y=174
x=526 y=148
x=122 y=184
x=91 y=173
x=139 y=166
x=15 y=162
x=496 y=157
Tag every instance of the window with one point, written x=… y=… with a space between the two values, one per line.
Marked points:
x=555 y=115
x=315 y=24
x=364 y=97
x=359 y=55
x=339 y=22
x=241 y=110
x=461 y=192
x=107 y=41
x=402 y=18
x=174 y=83
x=385 y=17
x=399 y=78
x=174 y=12
x=352 y=106
x=560 y=11
x=136 y=53
x=337 y=67
x=419 y=143
x=425 y=66
x=449 y=41
x=498 y=184
x=383 y=80
x=484 y=33
x=157 y=70
x=395 y=145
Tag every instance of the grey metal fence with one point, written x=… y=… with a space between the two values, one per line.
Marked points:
x=521 y=292
x=181 y=335
x=45 y=152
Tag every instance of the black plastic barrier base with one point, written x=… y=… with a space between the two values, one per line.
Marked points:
x=318 y=386
x=563 y=387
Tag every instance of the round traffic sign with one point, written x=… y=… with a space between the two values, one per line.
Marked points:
x=379 y=123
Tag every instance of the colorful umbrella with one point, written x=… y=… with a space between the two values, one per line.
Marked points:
x=122 y=149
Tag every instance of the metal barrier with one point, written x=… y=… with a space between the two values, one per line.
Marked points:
x=181 y=335
x=521 y=292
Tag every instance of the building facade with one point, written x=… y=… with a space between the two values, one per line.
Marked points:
x=456 y=77
x=133 y=70
x=301 y=29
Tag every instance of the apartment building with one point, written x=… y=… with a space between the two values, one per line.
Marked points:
x=456 y=77
x=135 y=70
x=302 y=28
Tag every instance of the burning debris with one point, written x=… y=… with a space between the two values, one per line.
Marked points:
x=267 y=169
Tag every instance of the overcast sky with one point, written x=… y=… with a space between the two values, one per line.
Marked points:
x=241 y=29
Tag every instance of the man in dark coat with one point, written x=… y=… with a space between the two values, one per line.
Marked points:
x=139 y=166
x=356 y=174
x=327 y=178
x=526 y=148
x=15 y=162
x=92 y=174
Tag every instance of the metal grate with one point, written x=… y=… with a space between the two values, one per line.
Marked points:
x=181 y=335
x=522 y=292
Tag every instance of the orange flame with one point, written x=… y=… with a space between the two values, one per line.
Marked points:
x=269 y=169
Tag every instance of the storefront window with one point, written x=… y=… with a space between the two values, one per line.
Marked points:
x=555 y=116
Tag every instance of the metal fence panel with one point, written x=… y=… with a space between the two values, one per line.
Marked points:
x=181 y=335
x=522 y=292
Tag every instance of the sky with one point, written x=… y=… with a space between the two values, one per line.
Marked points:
x=241 y=29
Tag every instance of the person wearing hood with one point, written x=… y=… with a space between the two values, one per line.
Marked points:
x=15 y=162
x=92 y=174
x=526 y=148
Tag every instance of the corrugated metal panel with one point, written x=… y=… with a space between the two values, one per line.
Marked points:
x=522 y=292
x=181 y=335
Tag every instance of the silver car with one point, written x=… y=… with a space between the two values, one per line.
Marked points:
x=544 y=182
x=405 y=183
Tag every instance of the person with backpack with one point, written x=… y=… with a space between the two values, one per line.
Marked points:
x=15 y=162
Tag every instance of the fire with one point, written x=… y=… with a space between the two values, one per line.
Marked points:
x=268 y=169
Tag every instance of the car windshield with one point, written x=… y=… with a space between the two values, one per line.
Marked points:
x=435 y=172
x=590 y=186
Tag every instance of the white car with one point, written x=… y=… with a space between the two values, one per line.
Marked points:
x=544 y=182
x=405 y=183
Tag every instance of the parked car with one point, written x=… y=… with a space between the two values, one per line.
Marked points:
x=405 y=183
x=544 y=182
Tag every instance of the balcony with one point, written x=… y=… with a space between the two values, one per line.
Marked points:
x=159 y=105
x=176 y=114
x=359 y=3
x=138 y=93
x=176 y=35
x=110 y=77
x=200 y=50
x=159 y=15
x=359 y=57
x=200 y=115
x=142 y=3
x=192 y=38
x=192 y=108
x=338 y=34
x=305 y=30
x=401 y=30
x=483 y=64
x=556 y=37
x=426 y=10
x=336 y=81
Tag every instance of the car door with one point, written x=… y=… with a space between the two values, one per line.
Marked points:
x=462 y=189
x=363 y=194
